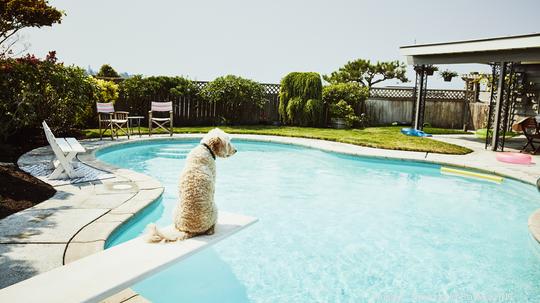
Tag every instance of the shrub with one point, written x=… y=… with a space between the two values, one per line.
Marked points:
x=184 y=87
x=344 y=111
x=342 y=98
x=352 y=93
x=103 y=91
x=32 y=90
x=162 y=86
x=157 y=87
x=132 y=87
x=232 y=92
x=299 y=88
x=106 y=91
x=137 y=91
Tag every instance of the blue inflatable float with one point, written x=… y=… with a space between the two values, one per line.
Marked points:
x=414 y=132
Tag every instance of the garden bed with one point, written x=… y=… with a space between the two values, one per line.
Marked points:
x=19 y=190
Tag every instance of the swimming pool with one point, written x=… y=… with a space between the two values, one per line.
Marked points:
x=337 y=228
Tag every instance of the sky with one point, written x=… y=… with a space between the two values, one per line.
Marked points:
x=265 y=40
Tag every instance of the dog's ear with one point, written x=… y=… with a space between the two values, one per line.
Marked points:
x=216 y=144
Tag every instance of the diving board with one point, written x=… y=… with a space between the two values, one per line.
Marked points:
x=108 y=272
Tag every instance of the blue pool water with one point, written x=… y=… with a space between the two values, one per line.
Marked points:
x=335 y=228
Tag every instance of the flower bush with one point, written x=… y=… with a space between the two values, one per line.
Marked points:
x=33 y=90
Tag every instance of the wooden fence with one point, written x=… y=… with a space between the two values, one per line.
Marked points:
x=444 y=108
x=194 y=111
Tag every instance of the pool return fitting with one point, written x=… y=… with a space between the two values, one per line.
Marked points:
x=470 y=174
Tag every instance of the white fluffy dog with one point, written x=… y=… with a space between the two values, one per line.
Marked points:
x=196 y=213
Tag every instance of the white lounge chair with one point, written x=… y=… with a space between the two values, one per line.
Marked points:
x=65 y=150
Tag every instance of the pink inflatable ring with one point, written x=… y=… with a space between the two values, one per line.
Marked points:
x=515 y=158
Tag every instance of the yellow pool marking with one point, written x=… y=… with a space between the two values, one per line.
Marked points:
x=467 y=173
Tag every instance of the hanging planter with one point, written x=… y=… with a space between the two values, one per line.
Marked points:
x=430 y=69
x=448 y=75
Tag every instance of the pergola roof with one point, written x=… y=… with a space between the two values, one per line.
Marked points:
x=519 y=54
x=522 y=49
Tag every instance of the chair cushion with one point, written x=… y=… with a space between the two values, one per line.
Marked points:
x=161 y=119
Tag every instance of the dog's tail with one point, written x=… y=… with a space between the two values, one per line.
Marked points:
x=154 y=235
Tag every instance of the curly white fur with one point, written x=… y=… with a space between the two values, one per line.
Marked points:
x=196 y=213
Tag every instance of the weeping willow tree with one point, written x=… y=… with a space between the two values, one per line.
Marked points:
x=300 y=99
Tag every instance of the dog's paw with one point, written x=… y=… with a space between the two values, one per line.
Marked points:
x=152 y=234
x=154 y=239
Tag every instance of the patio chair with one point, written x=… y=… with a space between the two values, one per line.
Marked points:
x=161 y=122
x=531 y=131
x=65 y=150
x=108 y=118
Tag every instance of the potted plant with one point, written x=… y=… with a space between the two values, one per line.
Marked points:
x=448 y=75
x=342 y=115
x=430 y=69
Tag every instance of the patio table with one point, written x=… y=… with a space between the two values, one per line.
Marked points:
x=135 y=118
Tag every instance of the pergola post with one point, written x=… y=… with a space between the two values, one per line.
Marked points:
x=472 y=92
x=420 y=91
x=495 y=138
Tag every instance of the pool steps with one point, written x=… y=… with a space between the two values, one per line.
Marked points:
x=104 y=274
x=171 y=155
x=177 y=149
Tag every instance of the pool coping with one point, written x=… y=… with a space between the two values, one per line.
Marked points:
x=92 y=236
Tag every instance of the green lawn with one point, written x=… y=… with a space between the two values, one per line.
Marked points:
x=482 y=133
x=379 y=137
x=445 y=131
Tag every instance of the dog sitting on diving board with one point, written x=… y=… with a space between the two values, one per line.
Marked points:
x=196 y=212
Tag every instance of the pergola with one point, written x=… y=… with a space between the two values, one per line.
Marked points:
x=515 y=62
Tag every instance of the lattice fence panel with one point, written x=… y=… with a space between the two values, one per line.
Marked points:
x=408 y=94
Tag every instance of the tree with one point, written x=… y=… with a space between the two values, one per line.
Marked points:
x=300 y=99
x=18 y=14
x=367 y=74
x=107 y=71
